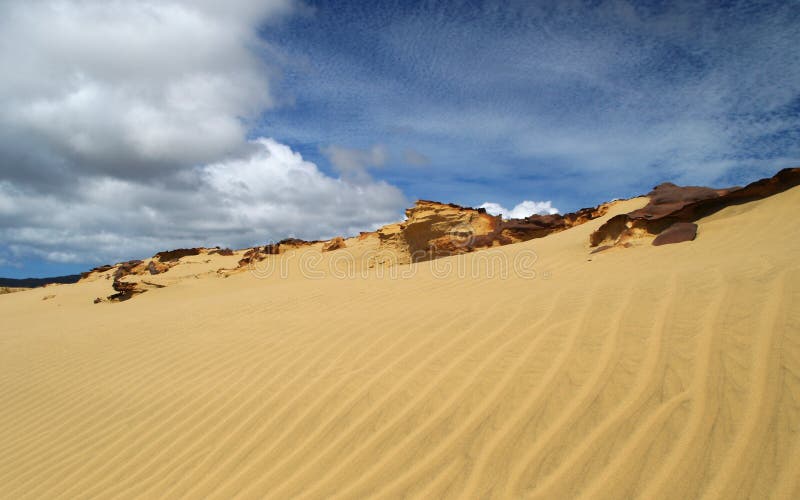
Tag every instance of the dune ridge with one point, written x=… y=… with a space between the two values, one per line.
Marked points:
x=650 y=372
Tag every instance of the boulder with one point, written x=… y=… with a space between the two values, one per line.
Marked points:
x=676 y=233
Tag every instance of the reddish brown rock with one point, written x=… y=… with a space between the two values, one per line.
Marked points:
x=432 y=230
x=126 y=268
x=125 y=290
x=227 y=252
x=676 y=233
x=251 y=256
x=272 y=249
x=155 y=267
x=176 y=254
x=670 y=204
x=296 y=242
x=96 y=270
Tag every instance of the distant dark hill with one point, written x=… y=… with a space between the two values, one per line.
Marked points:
x=34 y=282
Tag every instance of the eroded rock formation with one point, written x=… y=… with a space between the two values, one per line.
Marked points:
x=126 y=289
x=334 y=244
x=432 y=230
x=176 y=254
x=670 y=204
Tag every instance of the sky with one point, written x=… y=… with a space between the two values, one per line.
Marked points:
x=130 y=127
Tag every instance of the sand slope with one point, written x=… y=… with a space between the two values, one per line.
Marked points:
x=648 y=372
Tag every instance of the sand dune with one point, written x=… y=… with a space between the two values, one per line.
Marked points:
x=644 y=372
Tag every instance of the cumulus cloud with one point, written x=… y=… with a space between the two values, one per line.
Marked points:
x=269 y=194
x=110 y=85
x=124 y=130
x=522 y=210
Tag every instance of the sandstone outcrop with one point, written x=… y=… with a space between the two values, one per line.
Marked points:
x=176 y=254
x=225 y=252
x=334 y=244
x=670 y=204
x=155 y=267
x=126 y=289
x=96 y=270
x=432 y=230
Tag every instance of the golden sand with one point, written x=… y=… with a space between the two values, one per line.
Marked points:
x=649 y=372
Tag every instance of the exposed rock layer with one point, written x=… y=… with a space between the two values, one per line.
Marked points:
x=432 y=230
x=670 y=204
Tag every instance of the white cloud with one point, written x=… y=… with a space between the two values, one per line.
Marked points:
x=522 y=210
x=269 y=194
x=113 y=83
x=123 y=131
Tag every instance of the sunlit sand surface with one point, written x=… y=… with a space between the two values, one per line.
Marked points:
x=647 y=372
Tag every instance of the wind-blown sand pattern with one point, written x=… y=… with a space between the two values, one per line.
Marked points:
x=644 y=372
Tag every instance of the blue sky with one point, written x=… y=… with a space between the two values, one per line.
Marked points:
x=146 y=144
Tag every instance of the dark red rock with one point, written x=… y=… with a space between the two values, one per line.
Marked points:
x=125 y=290
x=157 y=267
x=676 y=233
x=670 y=204
x=297 y=242
x=272 y=249
x=126 y=268
x=176 y=254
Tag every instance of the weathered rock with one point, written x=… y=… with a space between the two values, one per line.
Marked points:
x=334 y=244
x=251 y=256
x=129 y=267
x=125 y=290
x=432 y=230
x=96 y=270
x=226 y=252
x=176 y=254
x=670 y=204
x=296 y=242
x=155 y=267
x=677 y=233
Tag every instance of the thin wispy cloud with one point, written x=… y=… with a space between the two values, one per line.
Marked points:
x=621 y=94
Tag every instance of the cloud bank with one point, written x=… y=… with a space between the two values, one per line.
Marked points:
x=124 y=130
x=268 y=194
